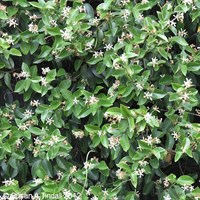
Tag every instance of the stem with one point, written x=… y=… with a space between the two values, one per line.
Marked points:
x=86 y=176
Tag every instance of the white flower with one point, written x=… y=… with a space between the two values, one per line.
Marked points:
x=78 y=134
x=124 y=57
x=44 y=81
x=73 y=169
x=37 y=181
x=19 y=142
x=171 y=23
x=49 y=121
x=113 y=142
x=67 y=35
x=33 y=17
x=184 y=97
x=142 y=163
x=53 y=22
x=179 y=17
x=98 y=54
x=94 y=198
x=92 y=100
x=35 y=103
x=139 y=86
x=175 y=135
x=82 y=9
x=126 y=14
x=23 y=127
x=167 y=197
x=189 y=2
x=33 y=28
x=120 y=174
x=45 y=70
x=88 y=45
x=28 y=113
x=108 y=47
x=140 y=172
x=68 y=194
x=182 y=33
x=124 y=2
x=8 y=182
x=88 y=165
x=66 y=11
x=187 y=83
x=12 y=22
x=148 y=95
x=75 y=101
x=144 y=2
x=37 y=141
x=154 y=61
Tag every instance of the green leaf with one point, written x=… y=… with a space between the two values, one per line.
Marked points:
x=15 y=52
x=185 y=180
x=179 y=40
x=124 y=141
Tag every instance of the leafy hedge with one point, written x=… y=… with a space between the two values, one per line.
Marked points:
x=99 y=99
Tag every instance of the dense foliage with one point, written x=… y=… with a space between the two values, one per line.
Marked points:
x=100 y=99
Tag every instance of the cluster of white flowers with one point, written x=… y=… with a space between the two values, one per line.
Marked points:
x=67 y=35
x=78 y=134
x=23 y=127
x=140 y=172
x=120 y=174
x=22 y=74
x=33 y=28
x=113 y=142
x=92 y=100
x=98 y=54
x=150 y=140
x=73 y=169
x=82 y=9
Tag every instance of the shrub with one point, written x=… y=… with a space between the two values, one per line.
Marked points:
x=100 y=99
